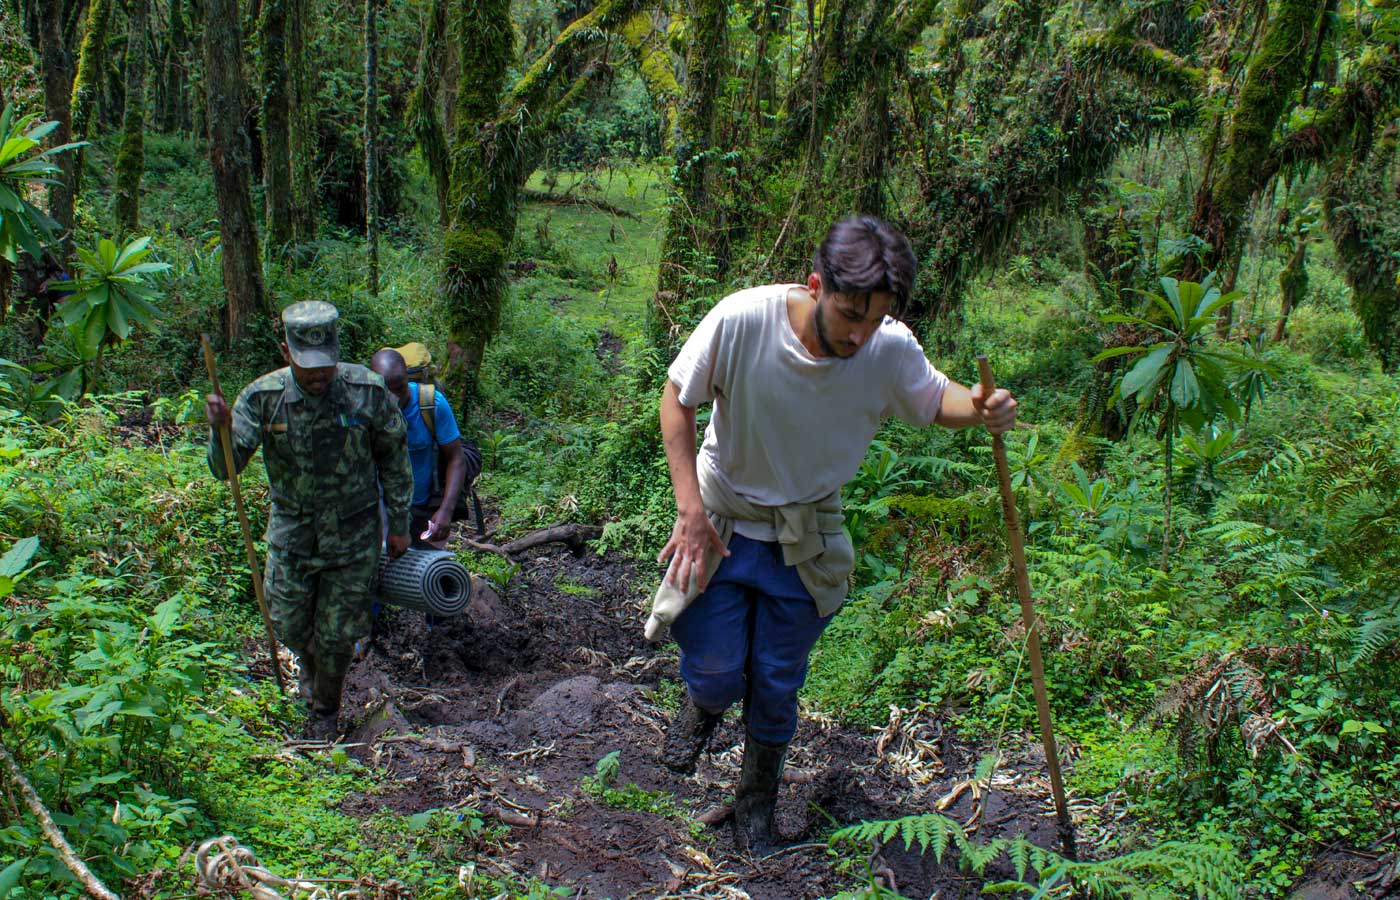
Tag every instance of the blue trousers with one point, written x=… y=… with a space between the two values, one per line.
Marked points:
x=748 y=636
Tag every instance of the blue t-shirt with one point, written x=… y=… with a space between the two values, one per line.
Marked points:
x=422 y=455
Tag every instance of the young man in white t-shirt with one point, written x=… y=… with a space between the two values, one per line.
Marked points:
x=801 y=378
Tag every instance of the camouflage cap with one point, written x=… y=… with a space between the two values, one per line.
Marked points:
x=312 y=337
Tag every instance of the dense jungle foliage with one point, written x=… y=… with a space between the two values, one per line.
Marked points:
x=1173 y=226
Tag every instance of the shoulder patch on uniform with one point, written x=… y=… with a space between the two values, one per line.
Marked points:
x=357 y=374
x=272 y=381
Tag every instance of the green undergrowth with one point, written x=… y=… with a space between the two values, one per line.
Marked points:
x=1247 y=690
x=125 y=694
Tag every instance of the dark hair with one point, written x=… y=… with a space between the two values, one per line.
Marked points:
x=862 y=255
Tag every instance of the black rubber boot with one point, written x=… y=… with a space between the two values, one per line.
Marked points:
x=688 y=737
x=324 y=723
x=757 y=796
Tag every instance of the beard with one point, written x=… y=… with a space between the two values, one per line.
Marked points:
x=827 y=347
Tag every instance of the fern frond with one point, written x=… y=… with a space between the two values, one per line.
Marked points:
x=926 y=831
x=1379 y=629
x=1169 y=871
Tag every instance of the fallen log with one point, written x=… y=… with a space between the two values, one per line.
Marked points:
x=572 y=534
x=570 y=200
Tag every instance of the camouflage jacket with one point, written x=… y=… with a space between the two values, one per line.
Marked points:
x=326 y=458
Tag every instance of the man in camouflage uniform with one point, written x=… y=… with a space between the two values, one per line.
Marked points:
x=332 y=434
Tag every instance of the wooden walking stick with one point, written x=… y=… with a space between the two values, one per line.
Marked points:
x=1031 y=622
x=231 y=470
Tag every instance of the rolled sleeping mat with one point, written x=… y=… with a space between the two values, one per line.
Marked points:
x=430 y=581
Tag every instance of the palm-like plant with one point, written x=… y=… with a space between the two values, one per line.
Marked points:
x=110 y=295
x=1182 y=375
x=23 y=226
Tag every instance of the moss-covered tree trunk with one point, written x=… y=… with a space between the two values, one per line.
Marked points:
x=57 y=107
x=1275 y=73
x=172 y=105
x=874 y=141
x=276 y=126
x=483 y=206
x=131 y=158
x=1292 y=284
x=226 y=92
x=692 y=246
x=87 y=81
x=371 y=114
x=1360 y=204
x=301 y=109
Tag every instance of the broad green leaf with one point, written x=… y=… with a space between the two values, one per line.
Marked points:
x=1171 y=288
x=18 y=556
x=15 y=146
x=1146 y=371
x=64 y=148
x=1186 y=391
x=1188 y=296
x=145 y=268
x=165 y=616
x=1167 y=309
x=116 y=318
x=10 y=876
x=1117 y=351
x=1209 y=306
x=74 y=310
x=131 y=253
x=93 y=331
x=41 y=131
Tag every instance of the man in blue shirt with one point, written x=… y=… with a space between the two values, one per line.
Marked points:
x=429 y=526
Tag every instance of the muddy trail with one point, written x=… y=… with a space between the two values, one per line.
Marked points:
x=508 y=711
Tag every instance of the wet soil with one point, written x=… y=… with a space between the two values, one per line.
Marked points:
x=508 y=711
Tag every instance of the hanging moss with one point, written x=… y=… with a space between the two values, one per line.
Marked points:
x=1348 y=120
x=1153 y=67
x=421 y=115
x=1363 y=219
x=1274 y=73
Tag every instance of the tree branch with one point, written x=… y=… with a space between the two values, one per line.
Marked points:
x=65 y=851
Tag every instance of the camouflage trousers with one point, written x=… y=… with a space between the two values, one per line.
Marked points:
x=319 y=607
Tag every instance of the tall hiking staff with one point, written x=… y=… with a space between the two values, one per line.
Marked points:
x=232 y=471
x=1031 y=623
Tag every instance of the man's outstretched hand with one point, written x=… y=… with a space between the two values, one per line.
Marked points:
x=998 y=411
